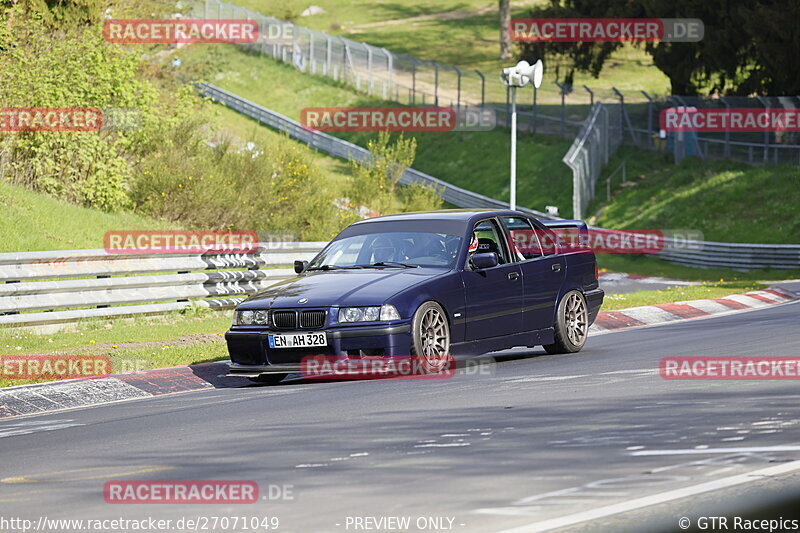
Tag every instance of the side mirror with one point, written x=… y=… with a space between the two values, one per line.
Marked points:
x=487 y=260
x=299 y=266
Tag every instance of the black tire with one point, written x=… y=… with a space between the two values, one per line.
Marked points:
x=430 y=333
x=268 y=379
x=572 y=324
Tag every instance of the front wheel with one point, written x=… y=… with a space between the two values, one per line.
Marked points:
x=430 y=333
x=572 y=324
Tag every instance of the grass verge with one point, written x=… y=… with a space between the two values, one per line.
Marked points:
x=35 y=221
x=615 y=302
x=132 y=344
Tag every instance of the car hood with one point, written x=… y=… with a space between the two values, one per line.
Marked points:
x=369 y=286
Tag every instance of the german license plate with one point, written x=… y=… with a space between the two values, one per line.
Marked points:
x=298 y=340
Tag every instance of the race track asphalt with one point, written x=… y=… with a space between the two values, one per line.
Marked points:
x=531 y=441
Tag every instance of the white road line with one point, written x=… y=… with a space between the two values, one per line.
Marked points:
x=694 y=451
x=631 y=505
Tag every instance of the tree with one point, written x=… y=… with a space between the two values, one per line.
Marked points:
x=505 y=36
x=749 y=46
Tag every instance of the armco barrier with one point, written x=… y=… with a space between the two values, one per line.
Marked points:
x=63 y=286
x=337 y=147
x=38 y=288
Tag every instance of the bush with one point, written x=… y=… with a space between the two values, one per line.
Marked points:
x=258 y=187
x=375 y=183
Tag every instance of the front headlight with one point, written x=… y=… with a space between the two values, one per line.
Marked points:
x=258 y=317
x=368 y=314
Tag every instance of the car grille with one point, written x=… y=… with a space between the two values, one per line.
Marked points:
x=312 y=319
x=284 y=319
x=308 y=319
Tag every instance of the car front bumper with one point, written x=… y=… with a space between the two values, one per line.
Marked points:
x=251 y=355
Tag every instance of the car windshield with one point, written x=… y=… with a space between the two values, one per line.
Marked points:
x=390 y=250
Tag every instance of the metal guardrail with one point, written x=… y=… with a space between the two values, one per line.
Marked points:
x=38 y=288
x=736 y=256
x=43 y=288
x=741 y=256
x=337 y=147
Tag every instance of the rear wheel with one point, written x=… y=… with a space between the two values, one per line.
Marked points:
x=430 y=332
x=268 y=379
x=572 y=324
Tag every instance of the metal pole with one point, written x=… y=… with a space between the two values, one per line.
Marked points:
x=591 y=95
x=458 y=94
x=649 y=116
x=328 y=53
x=413 y=81
x=513 y=194
x=483 y=87
x=389 y=68
x=369 y=67
x=766 y=133
x=535 y=109
x=311 y=52
x=727 y=133
x=436 y=85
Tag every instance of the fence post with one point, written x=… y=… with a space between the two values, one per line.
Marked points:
x=390 y=69
x=205 y=9
x=727 y=132
x=535 y=110
x=458 y=94
x=591 y=96
x=625 y=118
x=483 y=87
x=605 y=134
x=649 y=118
x=345 y=58
x=413 y=81
x=369 y=68
x=436 y=84
x=766 y=133
x=328 y=53
x=563 y=94
x=311 y=52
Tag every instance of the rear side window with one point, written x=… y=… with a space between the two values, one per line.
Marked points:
x=524 y=238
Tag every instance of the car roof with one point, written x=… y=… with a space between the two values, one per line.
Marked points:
x=442 y=214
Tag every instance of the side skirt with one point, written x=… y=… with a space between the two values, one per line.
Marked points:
x=493 y=344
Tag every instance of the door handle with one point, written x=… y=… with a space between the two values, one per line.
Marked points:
x=513 y=275
x=556 y=267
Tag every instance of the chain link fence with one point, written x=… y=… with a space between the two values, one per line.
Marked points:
x=553 y=109
x=597 y=141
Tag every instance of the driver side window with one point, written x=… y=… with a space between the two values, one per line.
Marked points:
x=486 y=238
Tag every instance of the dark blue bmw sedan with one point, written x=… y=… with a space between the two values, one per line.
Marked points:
x=460 y=282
